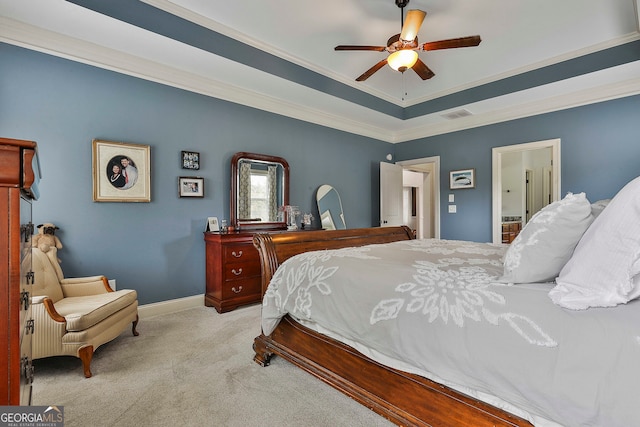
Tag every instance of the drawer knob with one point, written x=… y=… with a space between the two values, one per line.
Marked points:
x=237 y=273
x=236 y=254
x=238 y=290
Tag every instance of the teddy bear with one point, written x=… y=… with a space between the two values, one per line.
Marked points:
x=46 y=239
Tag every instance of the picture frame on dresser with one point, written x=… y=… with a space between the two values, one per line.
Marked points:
x=212 y=224
x=121 y=172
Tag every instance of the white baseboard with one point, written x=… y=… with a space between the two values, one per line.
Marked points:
x=171 y=306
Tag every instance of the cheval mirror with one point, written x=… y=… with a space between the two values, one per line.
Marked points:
x=330 y=208
x=259 y=187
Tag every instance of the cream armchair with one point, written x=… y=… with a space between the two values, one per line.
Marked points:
x=73 y=317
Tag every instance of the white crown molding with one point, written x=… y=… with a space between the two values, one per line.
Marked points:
x=35 y=38
x=531 y=67
x=562 y=102
x=206 y=22
x=189 y=15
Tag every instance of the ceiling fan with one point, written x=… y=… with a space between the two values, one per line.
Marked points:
x=403 y=47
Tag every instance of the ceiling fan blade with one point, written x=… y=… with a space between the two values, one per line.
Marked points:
x=412 y=25
x=452 y=43
x=422 y=70
x=350 y=47
x=372 y=70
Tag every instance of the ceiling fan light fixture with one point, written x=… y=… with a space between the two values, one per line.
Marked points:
x=402 y=59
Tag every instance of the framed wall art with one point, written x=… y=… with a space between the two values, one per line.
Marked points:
x=121 y=172
x=464 y=178
x=190 y=160
x=189 y=186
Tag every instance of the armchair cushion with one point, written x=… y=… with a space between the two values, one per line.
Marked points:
x=75 y=316
x=85 y=311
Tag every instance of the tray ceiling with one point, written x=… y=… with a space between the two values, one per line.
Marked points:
x=278 y=55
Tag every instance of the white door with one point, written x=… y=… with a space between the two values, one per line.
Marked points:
x=390 y=194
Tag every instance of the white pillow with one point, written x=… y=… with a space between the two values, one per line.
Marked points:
x=598 y=207
x=547 y=241
x=604 y=270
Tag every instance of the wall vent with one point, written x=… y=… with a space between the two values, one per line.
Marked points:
x=457 y=114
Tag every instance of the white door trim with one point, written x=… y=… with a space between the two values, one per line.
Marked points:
x=496 y=176
x=436 y=187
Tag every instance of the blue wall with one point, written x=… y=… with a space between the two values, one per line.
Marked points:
x=157 y=248
x=600 y=152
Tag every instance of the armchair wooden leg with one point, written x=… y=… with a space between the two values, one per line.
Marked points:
x=86 y=354
x=133 y=328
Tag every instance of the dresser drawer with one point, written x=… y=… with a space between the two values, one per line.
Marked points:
x=237 y=271
x=241 y=252
x=233 y=273
x=242 y=288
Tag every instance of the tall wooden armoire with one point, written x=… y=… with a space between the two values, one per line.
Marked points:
x=19 y=177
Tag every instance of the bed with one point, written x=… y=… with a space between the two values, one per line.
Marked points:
x=447 y=340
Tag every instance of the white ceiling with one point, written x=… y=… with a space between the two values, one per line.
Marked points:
x=517 y=36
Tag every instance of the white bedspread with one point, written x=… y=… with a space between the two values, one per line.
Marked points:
x=433 y=306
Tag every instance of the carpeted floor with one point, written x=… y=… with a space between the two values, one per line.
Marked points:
x=192 y=368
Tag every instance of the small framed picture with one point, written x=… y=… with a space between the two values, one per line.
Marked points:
x=189 y=186
x=121 y=172
x=464 y=178
x=212 y=224
x=190 y=160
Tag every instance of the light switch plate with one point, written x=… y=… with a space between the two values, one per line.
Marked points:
x=452 y=208
x=451 y=198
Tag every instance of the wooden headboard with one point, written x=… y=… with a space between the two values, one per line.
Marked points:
x=274 y=249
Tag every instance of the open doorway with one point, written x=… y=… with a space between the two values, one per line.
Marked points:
x=519 y=191
x=421 y=195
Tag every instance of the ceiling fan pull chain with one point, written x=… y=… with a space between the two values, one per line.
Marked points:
x=404 y=88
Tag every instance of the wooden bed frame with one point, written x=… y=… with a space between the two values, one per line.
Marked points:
x=402 y=398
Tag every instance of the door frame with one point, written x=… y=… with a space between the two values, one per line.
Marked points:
x=435 y=160
x=496 y=177
x=529 y=194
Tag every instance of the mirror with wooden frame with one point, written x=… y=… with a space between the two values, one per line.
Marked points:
x=259 y=188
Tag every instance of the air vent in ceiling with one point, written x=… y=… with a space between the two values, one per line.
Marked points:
x=457 y=114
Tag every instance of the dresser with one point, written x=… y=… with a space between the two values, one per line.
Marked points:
x=233 y=270
x=510 y=230
x=19 y=176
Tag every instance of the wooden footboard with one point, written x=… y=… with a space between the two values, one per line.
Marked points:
x=402 y=398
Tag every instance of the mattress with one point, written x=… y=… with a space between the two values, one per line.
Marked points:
x=436 y=308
